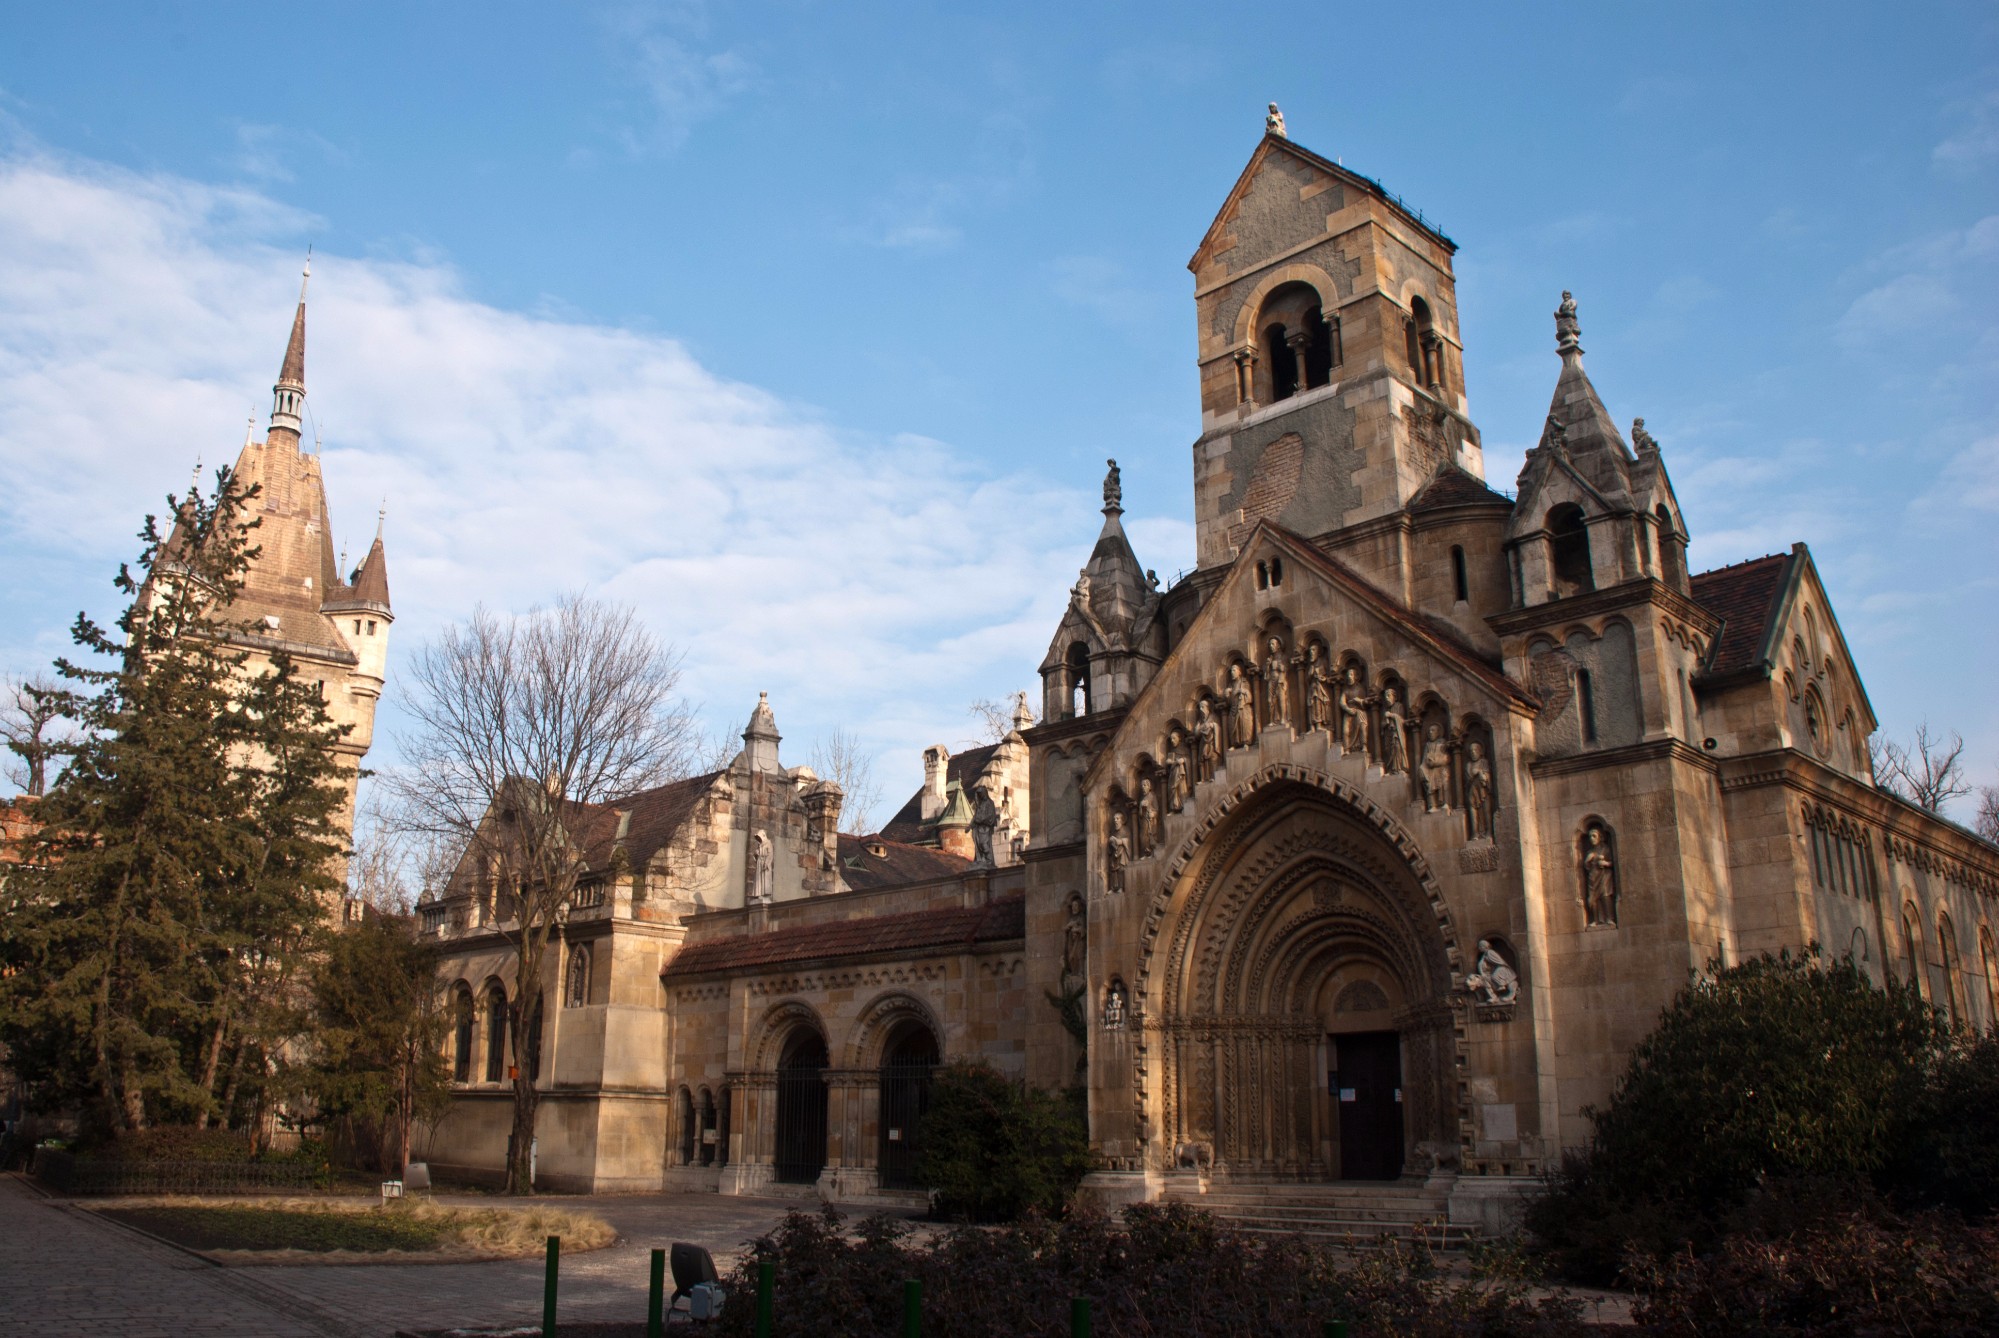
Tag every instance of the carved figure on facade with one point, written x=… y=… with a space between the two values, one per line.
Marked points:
x=1492 y=981
x=1354 y=701
x=1318 y=690
x=1117 y=852
x=1478 y=789
x=985 y=821
x=1641 y=440
x=1394 y=732
x=1075 y=940
x=1113 y=487
x=1242 y=708
x=1147 y=834
x=1273 y=122
x=1115 y=1006
x=763 y=867
x=1599 y=875
x=1207 y=739
x=1436 y=769
x=1176 y=771
x=1276 y=684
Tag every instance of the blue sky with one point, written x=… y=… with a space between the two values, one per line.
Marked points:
x=807 y=327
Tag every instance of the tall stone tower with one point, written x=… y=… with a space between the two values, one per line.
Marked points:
x=335 y=627
x=1332 y=378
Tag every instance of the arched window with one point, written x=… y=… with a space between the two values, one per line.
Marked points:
x=1912 y=952
x=578 y=993
x=1425 y=349
x=1298 y=346
x=1947 y=958
x=708 y=1132
x=1077 y=662
x=1460 y=582
x=1568 y=550
x=1321 y=348
x=1672 y=551
x=723 y=1107
x=1988 y=960
x=1586 y=704
x=686 y=1127
x=461 y=1049
x=496 y=1033
x=1283 y=363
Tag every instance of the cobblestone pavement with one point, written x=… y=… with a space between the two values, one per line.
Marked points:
x=65 y=1272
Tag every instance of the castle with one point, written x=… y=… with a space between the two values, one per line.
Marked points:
x=1364 y=852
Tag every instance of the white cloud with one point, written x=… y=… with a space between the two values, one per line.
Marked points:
x=1975 y=141
x=660 y=48
x=880 y=582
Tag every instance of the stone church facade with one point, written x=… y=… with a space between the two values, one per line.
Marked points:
x=1366 y=851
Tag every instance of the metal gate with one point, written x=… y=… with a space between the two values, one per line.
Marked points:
x=801 y=1112
x=905 y=1095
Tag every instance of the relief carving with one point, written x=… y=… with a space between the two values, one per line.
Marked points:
x=1478 y=790
x=1436 y=770
x=1493 y=981
x=1075 y=941
x=1117 y=853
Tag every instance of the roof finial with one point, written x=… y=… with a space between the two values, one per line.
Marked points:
x=1113 y=490
x=250 y=428
x=1568 y=333
x=1273 y=122
x=194 y=480
x=288 y=395
x=381 y=516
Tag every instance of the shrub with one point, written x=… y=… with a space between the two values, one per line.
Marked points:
x=1164 y=1269
x=176 y=1143
x=993 y=1148
x=1951 y=1157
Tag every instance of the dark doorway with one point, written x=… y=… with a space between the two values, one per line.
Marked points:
x=1367 y=1093
x=801 y=1109
x=905 y=1094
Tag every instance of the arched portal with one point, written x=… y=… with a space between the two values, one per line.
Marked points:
x=801 y=1108
x=908 y=1060
x=1300 y=974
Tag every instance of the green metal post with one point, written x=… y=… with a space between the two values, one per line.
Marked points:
x=656 y=1297
x=1336 y=1328
x=1079 y=1317
x=548 y=1287
x=912 y=1308
x=766 y=1287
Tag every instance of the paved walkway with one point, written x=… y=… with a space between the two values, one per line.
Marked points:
x=64 y=1272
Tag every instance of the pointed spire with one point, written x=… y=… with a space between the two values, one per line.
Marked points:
x=761 y=738
x=288 y=395
x=250 y=429
x=1577 y=418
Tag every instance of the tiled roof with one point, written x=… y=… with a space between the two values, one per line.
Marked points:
x=907 y=824
x=911 y=932
x=897 y=864
x=1453 y=486
x=1744 y=597
x=656 y=816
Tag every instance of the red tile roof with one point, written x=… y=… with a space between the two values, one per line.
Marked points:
x=904 y=934
x=1744 y=596
x=656 y=816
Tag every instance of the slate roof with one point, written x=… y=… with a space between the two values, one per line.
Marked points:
x=897 y=864
x=656 y=815
x=911 y=932
x=907 y=825
x=1453 y=486
x=1745 y=597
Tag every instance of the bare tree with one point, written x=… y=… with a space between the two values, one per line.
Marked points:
x=1928 y=773
x=838 y=758
x=520 y=720
x=997 y=719
x=1986 y=824
x=33 y=728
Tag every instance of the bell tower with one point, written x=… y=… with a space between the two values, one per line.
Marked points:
x=1332 y=377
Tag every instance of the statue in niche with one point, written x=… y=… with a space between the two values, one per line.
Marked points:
x=1114 y=1006
x=1276 y=685
x=985 y=821
x=1493 y=982
x=1148 y=816
x=1207 y=739
x=1074 y=940
x=1354 y=701
x=1318 y=690
x=1478 y=789
x=1394 y=732
x=1436 y=769
x=1176 y=771
x=1242 y=708
x=1599 y=876
x=1117 y=852
x=763 y=867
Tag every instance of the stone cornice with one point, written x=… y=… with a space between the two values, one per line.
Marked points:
x=1616 y=599
x=1652 y=750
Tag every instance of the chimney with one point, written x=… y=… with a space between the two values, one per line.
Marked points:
x=936 y=761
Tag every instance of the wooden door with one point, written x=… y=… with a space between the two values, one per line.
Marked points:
x=1367 y=1096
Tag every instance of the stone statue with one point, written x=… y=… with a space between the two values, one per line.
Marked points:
x=1176 y=771
x=1080 y=594
x=763 y=867
x=1074 y=940
x=1117 y=853
x=1148 y=816
x=1113 y=488
x=1599 y=876
x=1207 y=739
x=1114 y=1006
x=1276 y=685
x=1318 y=690
x=1494 y=982
x=1436 y=769
x=1394 y=732
x=985 y=821
x=1641 y=440
x=1273 y=123
x=1151 y=579
x=1242 y=709
x=1354 y=701
x=1478 y=788
x=1568 y=331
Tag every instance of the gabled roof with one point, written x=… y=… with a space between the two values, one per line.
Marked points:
x=908 y=825
x=1745 y=596
x=1273 y=144
x=1454 y=485
x=896 y=864
x=656 y=816
x=913 y=931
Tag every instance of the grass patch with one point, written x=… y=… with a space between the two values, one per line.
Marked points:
x=337 y=1227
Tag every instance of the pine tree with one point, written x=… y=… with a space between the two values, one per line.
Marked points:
x=184 y=855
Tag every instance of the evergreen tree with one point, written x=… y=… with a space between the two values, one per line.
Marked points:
x=178 y=876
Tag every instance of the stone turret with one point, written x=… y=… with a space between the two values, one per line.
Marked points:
x=1111 y=638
